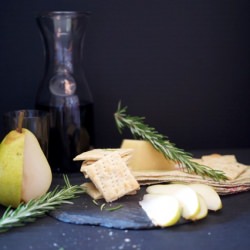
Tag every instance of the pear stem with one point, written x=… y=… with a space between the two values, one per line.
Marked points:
x=20 y=122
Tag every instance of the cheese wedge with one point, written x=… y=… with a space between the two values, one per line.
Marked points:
x=146 y=157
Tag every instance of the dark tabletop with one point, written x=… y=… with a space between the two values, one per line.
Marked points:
x=227 y=229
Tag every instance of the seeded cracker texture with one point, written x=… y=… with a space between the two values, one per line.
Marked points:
x=112 y=177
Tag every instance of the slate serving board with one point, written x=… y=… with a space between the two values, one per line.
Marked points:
x=84 y=211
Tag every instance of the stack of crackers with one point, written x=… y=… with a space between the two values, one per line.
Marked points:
x=110 y=178
x=238 y=174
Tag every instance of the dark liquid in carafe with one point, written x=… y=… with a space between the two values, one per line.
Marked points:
x=70 y=133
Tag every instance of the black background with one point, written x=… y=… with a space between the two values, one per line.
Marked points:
x=184 y=65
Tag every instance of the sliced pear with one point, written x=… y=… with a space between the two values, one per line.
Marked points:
x=37 y=175
x=210 y=196
x=187 y=197
x=24 y=170
x=11 y=169
x=203 y=209
x=162 y=210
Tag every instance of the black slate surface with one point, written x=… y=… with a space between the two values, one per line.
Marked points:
x=84 y=211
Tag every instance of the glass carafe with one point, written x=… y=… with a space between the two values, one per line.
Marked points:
x=64 y=90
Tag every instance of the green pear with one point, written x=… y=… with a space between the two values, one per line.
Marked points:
x=11 y=169
x=25 y=173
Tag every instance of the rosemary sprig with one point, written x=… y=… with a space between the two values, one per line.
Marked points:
x=103 y=206
x=161 y=143
x=35 y=208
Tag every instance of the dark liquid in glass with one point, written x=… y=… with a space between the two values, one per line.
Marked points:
x=71 y=133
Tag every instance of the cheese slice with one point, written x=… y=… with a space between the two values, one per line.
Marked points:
x=146 y=157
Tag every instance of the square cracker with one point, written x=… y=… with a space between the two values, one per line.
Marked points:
x=112 y=177
x=97 y=154
x=92 y=190
x=226 y=163
x=125 y=158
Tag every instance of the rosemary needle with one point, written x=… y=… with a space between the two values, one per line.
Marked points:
x=160 y=142
x=35 y=208
x=111 y=209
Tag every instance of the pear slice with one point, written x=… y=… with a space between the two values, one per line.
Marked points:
x=187 y=197
x=203 y=209
x=162 y=210
x=11 y=169
x=210 y=196
x=37 y=175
